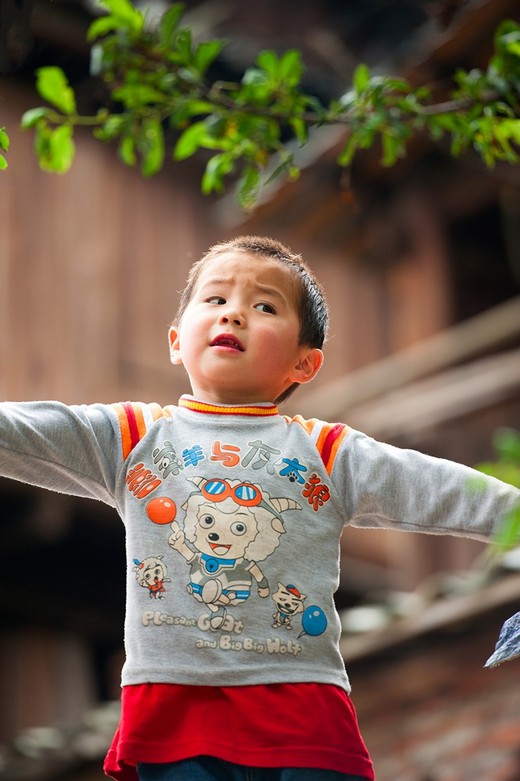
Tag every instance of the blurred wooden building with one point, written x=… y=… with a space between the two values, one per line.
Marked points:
x=422 y=267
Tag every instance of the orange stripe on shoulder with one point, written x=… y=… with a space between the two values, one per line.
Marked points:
x=322 y=436
x=140 y=424
x=328 y=437
x=132 y=423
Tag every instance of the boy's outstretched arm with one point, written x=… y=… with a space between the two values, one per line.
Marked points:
x=396 y=488
x=69 y=449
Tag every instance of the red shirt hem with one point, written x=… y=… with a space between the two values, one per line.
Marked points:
x=278 y=725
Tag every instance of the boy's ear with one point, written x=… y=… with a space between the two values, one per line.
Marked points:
x=175 y=352
x=308 y=366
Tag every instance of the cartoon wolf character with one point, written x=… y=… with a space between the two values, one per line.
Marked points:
x=230 y=525
x=150 y=573
x=289 y=602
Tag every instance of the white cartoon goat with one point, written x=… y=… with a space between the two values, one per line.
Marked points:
x=230 y=526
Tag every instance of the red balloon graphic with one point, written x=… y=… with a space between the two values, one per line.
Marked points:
x=161 y=509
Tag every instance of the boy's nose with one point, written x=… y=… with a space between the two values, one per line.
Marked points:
x=231 y=316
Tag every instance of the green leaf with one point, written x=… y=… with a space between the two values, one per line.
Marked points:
x=361 y=78
x=504 y=471
x=127 y=151
x=205 y=54
x=300 y=129
x=3 y=163
x=254 y=76
x=190 y=108
x=513 y=45
x=217 y=168
x=137 y=95
x=4 y=139
x=122 y=15
x=111 y=127
x=507 y=37
x=248 y=187
x=53 y=86
x=395 y=85
x=442 y=122
x=169 y=24
x=508 y=535
x=33 y=116
x=511 y=129
x=257 y=87
x=268 y=61
x=290 y=67
x=507 y=445
x=55 y=148
x=190 y=141
x=347 y=153
x=151 y=147
x=286 y=165
x=183 y=45
x=102 y=26
x=64 y=148
x=391 y=149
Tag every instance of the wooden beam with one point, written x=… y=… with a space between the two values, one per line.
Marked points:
x=439 y=615
x=446 y=397
x=485 y=332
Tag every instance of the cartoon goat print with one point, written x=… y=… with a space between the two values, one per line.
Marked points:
x=289 y=602
x=150 y=573
x=229 y=526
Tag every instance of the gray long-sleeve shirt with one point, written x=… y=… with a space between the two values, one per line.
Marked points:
x=233 y=518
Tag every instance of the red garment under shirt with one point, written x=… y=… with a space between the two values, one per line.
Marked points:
x=280 y=725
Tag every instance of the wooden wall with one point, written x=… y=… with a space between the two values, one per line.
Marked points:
x=90 y=266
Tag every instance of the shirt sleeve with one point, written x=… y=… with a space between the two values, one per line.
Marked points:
x=70 y=449
x=384 y=486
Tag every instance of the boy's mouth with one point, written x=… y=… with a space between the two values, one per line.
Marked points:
x=227 y=340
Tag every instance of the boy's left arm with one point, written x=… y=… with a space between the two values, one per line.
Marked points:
x=390 y=487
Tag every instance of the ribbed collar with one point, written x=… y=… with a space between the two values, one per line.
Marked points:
x=263 y=409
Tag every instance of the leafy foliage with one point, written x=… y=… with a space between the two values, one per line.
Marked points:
x=4 y=146
x=159 y=89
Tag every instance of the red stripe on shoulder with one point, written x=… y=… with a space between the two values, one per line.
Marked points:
x=132 y=423
x=331 y=443
x=327 y=437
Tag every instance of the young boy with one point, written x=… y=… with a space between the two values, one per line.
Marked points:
x=233 y=516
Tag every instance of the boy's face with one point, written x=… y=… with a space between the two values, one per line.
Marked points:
x=238 y=337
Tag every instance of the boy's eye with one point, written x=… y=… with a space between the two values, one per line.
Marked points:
x=216 y=300
x=263 y=307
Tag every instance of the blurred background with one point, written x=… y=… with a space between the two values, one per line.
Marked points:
x=421 y=263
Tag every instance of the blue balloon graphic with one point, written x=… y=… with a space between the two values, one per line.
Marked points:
x=314 y=621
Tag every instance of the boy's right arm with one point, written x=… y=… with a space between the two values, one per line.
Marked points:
x=70 y=449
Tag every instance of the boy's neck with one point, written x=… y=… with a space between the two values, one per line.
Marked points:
x=220 y=402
